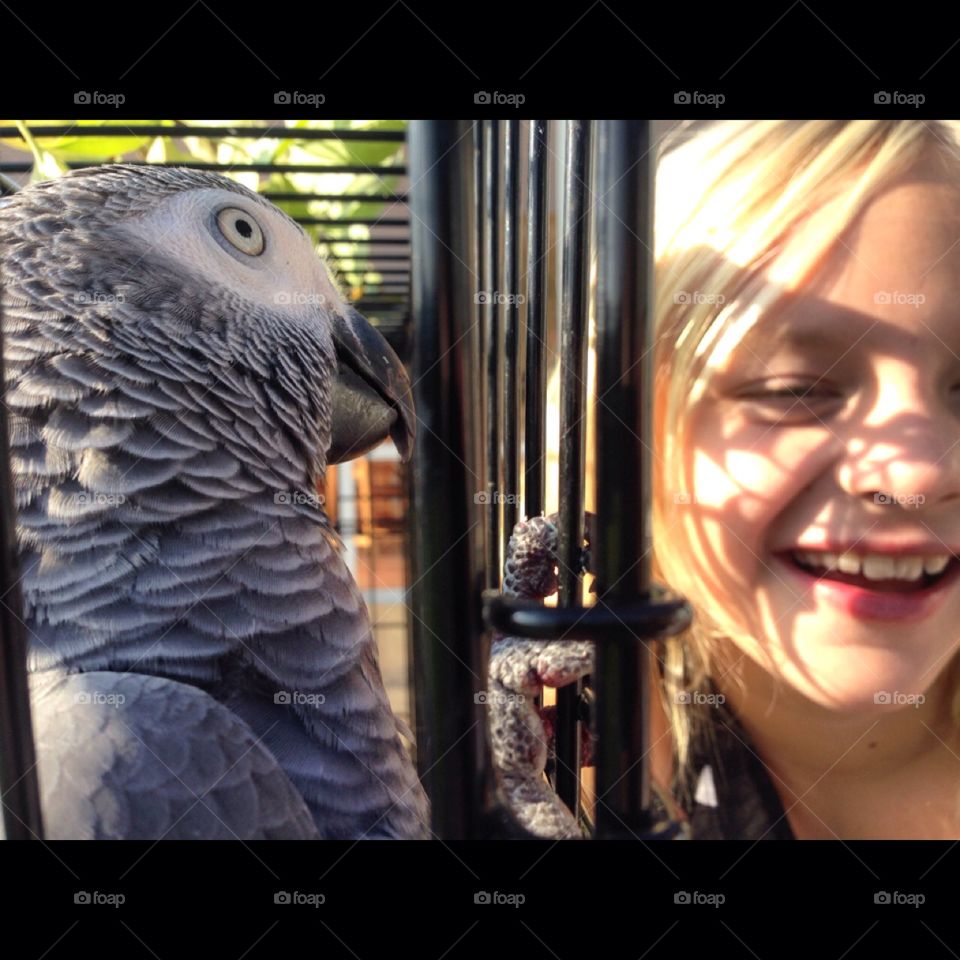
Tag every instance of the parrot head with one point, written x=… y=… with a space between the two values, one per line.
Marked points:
x=200 y=269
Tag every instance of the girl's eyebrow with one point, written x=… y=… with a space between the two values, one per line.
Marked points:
x=810 y=324
x=819 y=339
x=824 y=326
x=832 y=333
x=844 y=333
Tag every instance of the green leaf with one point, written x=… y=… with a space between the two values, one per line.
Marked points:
x=45 y=165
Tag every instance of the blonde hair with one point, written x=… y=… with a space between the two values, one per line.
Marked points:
x=729 y=195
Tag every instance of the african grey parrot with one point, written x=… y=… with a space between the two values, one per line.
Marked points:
x=179 y=371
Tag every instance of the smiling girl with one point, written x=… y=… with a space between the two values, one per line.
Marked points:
x=806 y=490
x=807 y=477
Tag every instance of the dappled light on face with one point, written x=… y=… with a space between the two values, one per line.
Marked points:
x=716 y=577
x=723 y=338
x=751 y=470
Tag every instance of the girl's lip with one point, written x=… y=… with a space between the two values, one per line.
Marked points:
x=865 y=604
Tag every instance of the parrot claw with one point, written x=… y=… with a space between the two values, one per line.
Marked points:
x=521 y=732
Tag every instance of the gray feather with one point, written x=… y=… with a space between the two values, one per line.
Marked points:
x=169 y=426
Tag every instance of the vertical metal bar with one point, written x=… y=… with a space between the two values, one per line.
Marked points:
x=447 y=546
x=511 y=326
x=624 y=440
x=477 y=332
x=573 y=363
x=22 y=818
x=491 y=349
x=535 y=381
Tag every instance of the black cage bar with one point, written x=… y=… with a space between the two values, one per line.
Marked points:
x=457 y=171
x=447 y=560
x=489 y=281
x=19 y=787
x=573 y=374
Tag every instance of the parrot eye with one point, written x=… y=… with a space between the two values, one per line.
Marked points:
x=240 y=230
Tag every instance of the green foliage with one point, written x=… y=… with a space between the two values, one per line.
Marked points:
x=52 y=155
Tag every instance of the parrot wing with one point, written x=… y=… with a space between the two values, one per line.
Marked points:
x=127 y=756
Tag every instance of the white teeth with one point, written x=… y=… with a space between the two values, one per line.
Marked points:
x=873 y=566
x=935 y=565
x=912 y=568
x=848 y=563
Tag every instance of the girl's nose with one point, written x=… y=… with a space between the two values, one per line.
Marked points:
x=906 y=448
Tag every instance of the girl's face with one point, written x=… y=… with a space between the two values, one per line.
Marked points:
x=878 y=352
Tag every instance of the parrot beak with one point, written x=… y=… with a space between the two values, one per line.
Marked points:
x=372 y=397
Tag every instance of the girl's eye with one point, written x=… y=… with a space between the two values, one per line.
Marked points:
x=790 y=392
x=793 y=401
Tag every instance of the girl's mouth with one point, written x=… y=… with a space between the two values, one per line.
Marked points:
x=868 y=599
x=894 y=585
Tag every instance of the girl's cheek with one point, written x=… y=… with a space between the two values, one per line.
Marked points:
x=741 y=471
